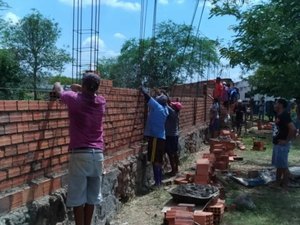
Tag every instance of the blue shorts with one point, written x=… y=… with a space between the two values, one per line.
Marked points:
x=280 y=156
x=85 y=178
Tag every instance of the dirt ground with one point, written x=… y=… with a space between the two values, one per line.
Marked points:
x=146 y=210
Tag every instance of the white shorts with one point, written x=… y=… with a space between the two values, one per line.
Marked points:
x=85 y=178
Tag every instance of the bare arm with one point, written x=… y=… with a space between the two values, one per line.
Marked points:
x=291 y=134
x=58 y=89
x=76 y=87
x=146 y=95
x=292 y=131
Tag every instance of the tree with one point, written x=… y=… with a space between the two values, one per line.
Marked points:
x=3 y=6
x=10 y=79
x=175 y=54
x=267 y=42
x=62 y=79
x=33 y=40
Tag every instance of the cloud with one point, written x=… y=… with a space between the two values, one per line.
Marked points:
x=131 y=6
x=180 y=1
x=92 y=40
x=103 y=51
x=120 y=36
x=11 y=17
x=163 y=2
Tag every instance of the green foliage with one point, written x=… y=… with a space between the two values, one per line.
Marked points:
x=33 y=40
x=10 y=78
x=175 y=54
x=267 y=42
x=62 y=79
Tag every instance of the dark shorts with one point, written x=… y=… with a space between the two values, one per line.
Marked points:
x=156 y=149
x=214 y=125
x=171 y=144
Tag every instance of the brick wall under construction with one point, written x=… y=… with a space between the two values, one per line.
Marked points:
x=34 y=139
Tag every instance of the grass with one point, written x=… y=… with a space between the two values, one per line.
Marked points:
x=273 y=206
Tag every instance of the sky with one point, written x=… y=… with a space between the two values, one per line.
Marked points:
x=120 y=21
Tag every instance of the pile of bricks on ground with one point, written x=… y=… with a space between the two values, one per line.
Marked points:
x=187 y=214
x=258 y=146
x=218 y=158
x=264 y=126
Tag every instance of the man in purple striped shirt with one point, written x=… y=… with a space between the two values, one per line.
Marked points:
x=86 y=111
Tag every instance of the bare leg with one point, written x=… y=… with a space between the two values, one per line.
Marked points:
x=278 y=175
x=79 y=215
x=285 y=178
x=88 y=214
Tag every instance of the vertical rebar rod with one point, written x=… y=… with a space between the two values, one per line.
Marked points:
x=92 y=36
x=73 y=41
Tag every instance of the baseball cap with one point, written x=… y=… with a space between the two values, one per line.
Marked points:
x=177 y=105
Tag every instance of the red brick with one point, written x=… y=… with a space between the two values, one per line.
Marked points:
x=13 y=172
x=16 y=200
x=38 y=191
x=10 y=150
x=2 y=153
x=22 y=105
x=201 y=179
x=34 y=126
x=23 y=148
x=24 y=169
x=63 y=158
x=43 y=144
x=6 y=162
x=22 y=127
x=46 y=163
x=19 y=160
x=33 y=146
x=47 y=187
x=180 y=180
x=43 y=105
x=2 y=106
x=10 y=105
x=11 y=128
x=16 y=138
x=5 y=185
x=27 y=195
x=2 y=129
x=56 y=183
x=20 y=180
x=54 y=161
x=38 y=115
x=15 y=117
x=33 y=105
x=32 y=136
x=27 y=116
x=3 y=175
x=38 y=155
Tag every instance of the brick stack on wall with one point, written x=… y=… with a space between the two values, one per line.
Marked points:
x=34 y=140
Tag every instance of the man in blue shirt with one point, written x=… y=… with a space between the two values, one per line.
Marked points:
x=155 y=132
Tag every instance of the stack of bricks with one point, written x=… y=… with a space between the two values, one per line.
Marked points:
x=218 y=211
x=179 y=216
x=185 y=214
x=203 y=218
x=203 y=171
x=258 y=146
x=222 y=150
